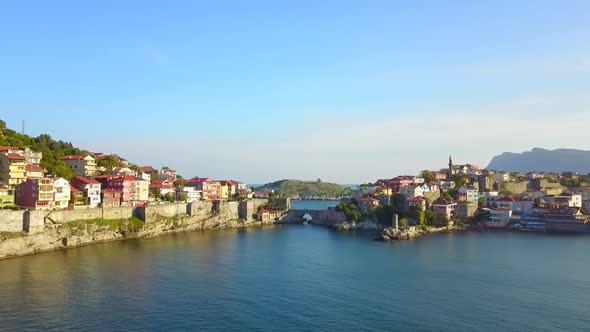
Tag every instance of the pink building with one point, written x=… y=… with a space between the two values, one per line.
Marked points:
x=123 y=185
x=443 y=206
x=211 y=189
x=35 y=194
x=414 y=202
x=399 y=182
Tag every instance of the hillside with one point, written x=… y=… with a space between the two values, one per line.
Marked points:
x=52 y=149
x=294 y=188
x=559 y=160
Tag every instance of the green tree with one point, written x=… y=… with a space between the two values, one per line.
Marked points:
x=428 y=176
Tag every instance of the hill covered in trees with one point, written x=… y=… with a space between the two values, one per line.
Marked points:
x=310 y=189
x=52 y=149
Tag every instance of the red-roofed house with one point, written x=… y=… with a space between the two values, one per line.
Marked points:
x=443 y=206
x=399 y=182
x=416 y=201
x=164 y=186
x=506 y=202
x=12 y=168
x=168 y=173
x=211 y=189
x=84 y=165
x=34 y=171
x=111 y=197
x=91 y=189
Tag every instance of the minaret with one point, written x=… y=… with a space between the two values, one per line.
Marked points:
x=450 y=167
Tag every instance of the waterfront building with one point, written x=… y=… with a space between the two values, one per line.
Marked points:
x=416 y=202
x=500 y=215
x=111 y=197
x=140 y=192
x=62 y=193
x=587 y=207
x=12 y=168
x=211 y=189
x=565 y=200
x=7 y=198
x=36 y=194
x=164 y=186
x=443 y=206
x=83 y=165
x=77 y=197
x=91 y=189
x=191 y=193
x=490 y=197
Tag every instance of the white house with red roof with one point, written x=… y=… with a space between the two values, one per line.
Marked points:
x=211 y=189
x=164 y=186
x=168 y=172
x=91 y=189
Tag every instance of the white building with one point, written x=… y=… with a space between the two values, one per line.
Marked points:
x=81 y=165
x=500 y=214
x=91 y=189
x=570 y=200
x=412 y=191
x=192 y=194
x=490 y=197
x=62 y=192
x=140 y=191
x=471 y=193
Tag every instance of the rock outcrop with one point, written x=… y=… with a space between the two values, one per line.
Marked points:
x=367 y=225
x=392 y=234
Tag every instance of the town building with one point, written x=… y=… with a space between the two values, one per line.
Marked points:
x=500 y=215
x=211 y=189
x=12 y=168
x=471 y=194
x=62 y=193
x=7 y=198
x=111 y=197
x=162 y=186
x=34 y=172
x=191 y=193
x=443 y=206
x=36 y=194
x=399 y=182
x=505 y=203
x=84 y=165
x=266 y=215
x=490 y=197
x=416 y=202
x=166 y=172
x=77 y=198
x=140 y=192
x=501 y=177
x=122 y=184
x=412 y=191
x=91 y=189
x=368 y=204
x=565 y=200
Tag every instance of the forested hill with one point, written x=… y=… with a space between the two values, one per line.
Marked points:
x=52 y=149
x=317 y=189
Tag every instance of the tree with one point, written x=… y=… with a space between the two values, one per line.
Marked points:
x=481 y=201
x=418 y=213
x=428 y=176
x=435 y=219
x=350 y=211
x=183 y=197
x=110 y=162
x=169 y=197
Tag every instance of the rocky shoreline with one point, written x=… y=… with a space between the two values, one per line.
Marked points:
x=393 y=234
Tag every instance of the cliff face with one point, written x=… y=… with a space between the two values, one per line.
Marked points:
x=560 y=160
x=79 y=233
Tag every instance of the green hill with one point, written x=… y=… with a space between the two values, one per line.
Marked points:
x=52 y=150
x=307 y=189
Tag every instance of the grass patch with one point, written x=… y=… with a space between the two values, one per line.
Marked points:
x=124 y=225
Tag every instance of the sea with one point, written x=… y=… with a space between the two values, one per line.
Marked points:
x=303 y=278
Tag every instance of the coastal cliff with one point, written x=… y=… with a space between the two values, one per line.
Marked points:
x=75 y=233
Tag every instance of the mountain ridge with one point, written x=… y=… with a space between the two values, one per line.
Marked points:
x=543 y=160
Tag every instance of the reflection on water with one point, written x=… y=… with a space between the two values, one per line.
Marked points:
x=302 y=277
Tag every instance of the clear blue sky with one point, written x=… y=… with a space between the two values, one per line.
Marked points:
x=257 y=76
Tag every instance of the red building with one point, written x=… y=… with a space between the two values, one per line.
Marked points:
x=35 y=194
x=123 y=185
x=211 y=189
x=111 y=197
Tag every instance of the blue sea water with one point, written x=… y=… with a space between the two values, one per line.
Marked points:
x=303 y=278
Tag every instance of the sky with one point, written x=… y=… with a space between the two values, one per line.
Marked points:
x=345 y=91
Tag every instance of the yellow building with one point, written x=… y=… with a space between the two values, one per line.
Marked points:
x=12 y=168
x=552 y=191
x=384 y=191
x=224 y=191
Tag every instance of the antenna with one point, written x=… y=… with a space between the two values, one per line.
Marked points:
x=23 y=127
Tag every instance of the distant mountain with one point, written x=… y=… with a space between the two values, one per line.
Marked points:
x=542 y=160
x=292 y=188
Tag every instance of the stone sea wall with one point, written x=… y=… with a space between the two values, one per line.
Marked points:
x=30 y=232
